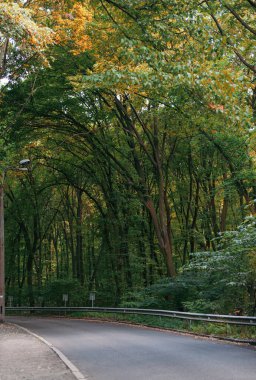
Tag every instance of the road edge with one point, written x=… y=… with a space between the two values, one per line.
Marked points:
x=75 y=371
x=236 y=341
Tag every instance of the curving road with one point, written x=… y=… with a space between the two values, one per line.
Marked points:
x=109 y=351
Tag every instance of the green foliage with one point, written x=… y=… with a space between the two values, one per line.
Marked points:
x=221 y=282
x=141 y=155
x=167 y=293
x=53 y=292
x=226 y=278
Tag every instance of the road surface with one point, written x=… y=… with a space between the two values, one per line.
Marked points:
x=111 y=351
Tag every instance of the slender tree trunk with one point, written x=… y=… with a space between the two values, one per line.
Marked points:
x=3 y=55
x=56 y=249
x=112 y=263
x=193 y=224
x=79 y=237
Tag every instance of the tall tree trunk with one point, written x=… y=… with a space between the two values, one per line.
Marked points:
x=79 y=237
x=164 y=239
x=30 y=278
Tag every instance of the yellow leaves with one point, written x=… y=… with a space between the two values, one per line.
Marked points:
x=19 y=23
x=216 y=107
x=71 y=28
x=26 y=26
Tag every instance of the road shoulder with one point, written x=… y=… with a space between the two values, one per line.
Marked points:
x=24 y=356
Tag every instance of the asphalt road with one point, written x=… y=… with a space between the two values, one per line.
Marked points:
x=109 y=351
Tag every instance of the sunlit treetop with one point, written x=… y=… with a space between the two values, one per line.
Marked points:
x=23 y=26
x=145 y=47
x=70 y=28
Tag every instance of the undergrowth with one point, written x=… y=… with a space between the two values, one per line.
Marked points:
x=197 y=327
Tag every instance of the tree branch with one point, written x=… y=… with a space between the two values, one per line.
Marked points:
x=243 y=60
x=253 y=3
x=121 y=9
x=236 y=15
x=230 y=43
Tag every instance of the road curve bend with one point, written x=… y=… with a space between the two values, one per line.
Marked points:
x=111 y=351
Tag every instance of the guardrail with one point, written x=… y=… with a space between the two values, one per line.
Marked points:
x=208 y=318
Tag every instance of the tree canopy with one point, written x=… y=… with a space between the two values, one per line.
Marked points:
x=139 y=121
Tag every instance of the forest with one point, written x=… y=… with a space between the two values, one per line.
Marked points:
x=138 y=118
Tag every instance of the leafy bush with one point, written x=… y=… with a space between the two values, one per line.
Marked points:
x=166 y=294
x=221 y=281
x=226 y=278
x=52 y=294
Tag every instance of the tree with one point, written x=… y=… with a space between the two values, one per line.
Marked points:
x=22 y=37
x=226 y=277
x=143 y=122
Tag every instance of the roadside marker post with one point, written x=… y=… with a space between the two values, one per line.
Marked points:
x=92 y=297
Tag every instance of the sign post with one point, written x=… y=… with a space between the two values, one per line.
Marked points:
x=65 y=299
x=92 y=297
